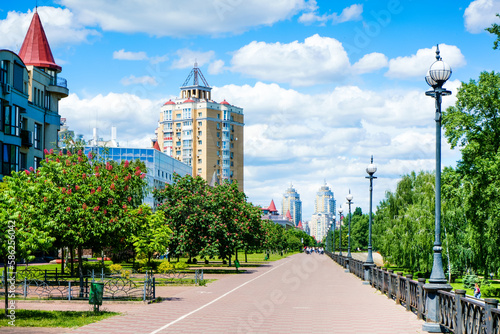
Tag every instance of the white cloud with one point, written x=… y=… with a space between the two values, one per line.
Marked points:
x=370 y=62
x=129 y=55
x=418 y=64
x=180 y=18
x=216 y=67
x=481 y=14
x=342 y=129
x=60 y=25
x=351 y=13
x=144 y=80
x=316 y=60
x=134 y=118
x=187 y=58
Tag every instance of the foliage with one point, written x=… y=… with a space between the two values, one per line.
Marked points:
x=115 y=268
x=152 y=235
x=473 y=124
x=164 y=267
x=470 y=280
x=67 y=319
x=495 y=29
x=181 y=266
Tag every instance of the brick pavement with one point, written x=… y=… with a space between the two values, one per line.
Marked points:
x=299 y=294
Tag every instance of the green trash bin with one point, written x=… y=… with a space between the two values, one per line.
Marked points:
x=96 y=293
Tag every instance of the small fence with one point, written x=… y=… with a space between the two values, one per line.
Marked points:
x=35 y=283
x=458 y=313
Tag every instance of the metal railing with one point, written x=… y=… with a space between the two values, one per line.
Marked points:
x=458 y=313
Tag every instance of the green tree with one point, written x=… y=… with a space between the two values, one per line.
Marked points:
x=473 y=124
x=21 y=234
x=152 y=235
x=495 y=29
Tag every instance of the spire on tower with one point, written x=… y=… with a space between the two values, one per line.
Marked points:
x=196 y=75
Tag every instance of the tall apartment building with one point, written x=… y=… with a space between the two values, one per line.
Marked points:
x=325 y=201
x=324 y=214
x=202 y=133
x=30 y=90
x=292 y=203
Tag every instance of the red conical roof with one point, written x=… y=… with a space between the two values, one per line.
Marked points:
x=288 y=215
x=35 y=49
x=169 y=102
x=300 y=224
x=272 y=207
x=224 y=102
x=188 y=101
x=156 y=146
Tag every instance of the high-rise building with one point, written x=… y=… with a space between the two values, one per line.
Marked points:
x=325 y=212
x=202 y=133
x=30 y=90
x=292 y=203
x=325 y=201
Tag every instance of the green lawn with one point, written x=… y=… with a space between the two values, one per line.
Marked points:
x=35 y=318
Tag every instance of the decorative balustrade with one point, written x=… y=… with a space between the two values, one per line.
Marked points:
x=458 y=313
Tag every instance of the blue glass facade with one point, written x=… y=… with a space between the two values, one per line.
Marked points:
x=160 y=166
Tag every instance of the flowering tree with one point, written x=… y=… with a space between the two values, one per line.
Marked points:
x=84 y=201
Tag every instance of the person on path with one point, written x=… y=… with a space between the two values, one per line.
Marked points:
x=477 y=291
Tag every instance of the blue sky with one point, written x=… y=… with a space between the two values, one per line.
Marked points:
x=323 y=84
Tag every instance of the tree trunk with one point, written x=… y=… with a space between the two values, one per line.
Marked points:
x=6 y=286
x=72 y=259
x=62 y=259
x=236 y=255
x=246 y=256
x=230 y=259
x=80 y=269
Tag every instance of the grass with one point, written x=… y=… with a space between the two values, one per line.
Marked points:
x=35 y=318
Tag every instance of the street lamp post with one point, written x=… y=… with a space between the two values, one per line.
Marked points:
x=333 y=236
x=371 y=169
x=349 y=200
x=437 y=75
x=340 y=210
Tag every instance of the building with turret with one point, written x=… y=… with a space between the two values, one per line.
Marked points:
x=324 y=215
x=30 y=90
x=205 y=134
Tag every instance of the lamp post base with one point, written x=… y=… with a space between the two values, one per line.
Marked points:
x=432 y=306
x=367 y=270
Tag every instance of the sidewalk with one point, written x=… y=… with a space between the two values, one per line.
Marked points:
x=299 y=294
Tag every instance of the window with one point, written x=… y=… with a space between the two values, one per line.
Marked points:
x=167 y=115
x=231 y=155
x=18 y=77
x=186 y=113
x=178 y=125
x=178 y=116
x=199 y=170
x=200 y=123
x=10 y=159
x=199 y=151
x=3 y=71
x=178 y=143
x=199 y=133
x=24 y=161
x=218 y=144
x=199 y=142
x=11 y=120
x=178 y=152
x=232 y=164
x=218 y=134
x=199 y=114
x=37 y=162
x=218 y=126
x=218 y=153
x=199 y=161
x=37 y=134
x=218 y=162
x=232 y=145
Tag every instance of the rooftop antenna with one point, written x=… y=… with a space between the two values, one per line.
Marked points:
x=196 y=75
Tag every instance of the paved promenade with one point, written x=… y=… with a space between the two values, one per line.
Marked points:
x=299 y=294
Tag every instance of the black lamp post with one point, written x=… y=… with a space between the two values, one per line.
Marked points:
x=369 y=264
x=349 y=200
x=340 y=210
x=437 y=75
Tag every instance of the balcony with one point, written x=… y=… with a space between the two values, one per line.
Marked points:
x=58 y=86
x=26 y=138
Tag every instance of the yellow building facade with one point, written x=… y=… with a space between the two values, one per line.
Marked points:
x=202 y=133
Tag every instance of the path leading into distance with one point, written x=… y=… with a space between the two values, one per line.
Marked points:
x=299 y=294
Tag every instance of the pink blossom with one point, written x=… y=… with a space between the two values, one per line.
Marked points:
x=31 y=169
x=68 y=209
x=45 y=151
x=92 y=191
x=57 y=160
x=90 y=155
x=69 y=153
x=110 y=201
x=79 y=152
x=80 y=159
x=143 y=175
x=51 y=151
x=96 y=208
x=60 y=153
x=84 y=206
x=124 y=206
x=129 y=198
x=126 y=163
x=105 y=211
x=27 y=172
x=99 y=189
x=84 y=176
x=112 y=186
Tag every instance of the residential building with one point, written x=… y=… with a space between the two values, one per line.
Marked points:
x=292 y=203
x=160 y=166
x=206 y=135
x=30 y=90
x=271 y=213
x=324 y=214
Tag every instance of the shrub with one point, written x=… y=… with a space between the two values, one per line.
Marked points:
x=470 y=280
x=490 y=291
x=180 y=266
x=164 y=267
x=115 y=268
x=126 y=274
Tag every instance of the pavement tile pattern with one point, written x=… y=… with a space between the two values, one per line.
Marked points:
x=299 y=294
